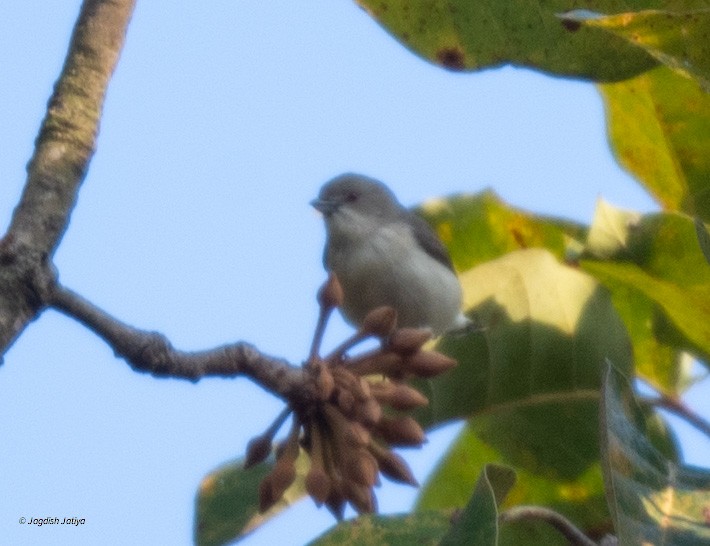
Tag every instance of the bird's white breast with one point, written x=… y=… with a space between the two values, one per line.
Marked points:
x=385 y=265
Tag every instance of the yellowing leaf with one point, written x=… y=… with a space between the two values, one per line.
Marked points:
x=678 y=39
x=468 y=35
x=659 y=127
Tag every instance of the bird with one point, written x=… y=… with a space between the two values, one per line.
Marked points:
x=385 y=255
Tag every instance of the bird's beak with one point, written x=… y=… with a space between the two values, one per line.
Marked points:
x=324 y=206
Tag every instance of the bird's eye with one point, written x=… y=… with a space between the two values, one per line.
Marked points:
x=351 y=196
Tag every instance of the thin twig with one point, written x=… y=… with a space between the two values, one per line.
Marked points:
x=323 y=316
x=278 y=422
x=349 y=343
x=558 y=521
x=679 y=408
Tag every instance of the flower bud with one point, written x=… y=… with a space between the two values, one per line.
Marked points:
x=336 y=500
x=258 y=449
x=282 y=476
x=357 y=435
x=399 y=396
x=385 y=363
x=266 y=497
x=401 y=431
x=362 y=468
x=345 y=401
x=360 y=496
x=393 y=466
x=331 y=293
x=428 y=363
x=318 y=485
x=325 y=383
x=346 y=380
x=368 y=412
x=379 y=322
x=408 y=340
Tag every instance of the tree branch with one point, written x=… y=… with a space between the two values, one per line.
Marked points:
x=558 y=521
x=152 y=353
x=67 y=137
x=63 y=149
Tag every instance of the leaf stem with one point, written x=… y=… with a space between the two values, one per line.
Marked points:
x=558 y=521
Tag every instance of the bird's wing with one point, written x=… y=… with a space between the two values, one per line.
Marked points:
x=428 y=240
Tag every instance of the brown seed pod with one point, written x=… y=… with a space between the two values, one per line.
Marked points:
x=331 y=293
x=382 y=362
x=350 y=433
x=317 y=447
x=266 y=497
x=368 y=412
x=398 y=395
x=363 y=392
x=343 y=377
x=357 y=435
x=361 y=467
x=335 y=420
x=428 y=363
x=325 y=383
x=258 y=449
x=346 y=380
x=336 y=499
x=318 y=485
x=379 y=322
x=407 y=398
x=405 y=341
x=392 y=465
x=400 y=431
x=282 y=476
x=346 y=401
x=360 y=496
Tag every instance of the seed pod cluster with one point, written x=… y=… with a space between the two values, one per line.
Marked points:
x=357 y=415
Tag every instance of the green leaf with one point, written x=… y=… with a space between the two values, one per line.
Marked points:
x=687 y=307
x=466 y=35
x=665 y=247
x=678 y=39
x=659 y=127
x=478 y=524
x=548 y=330
x=580 y=498
x=228 y=501
x=423 y=528
x=660 y=283
x=652 y=499
x=479 y=227
x=530 y=384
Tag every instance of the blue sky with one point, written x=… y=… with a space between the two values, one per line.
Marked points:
x=221 y=123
